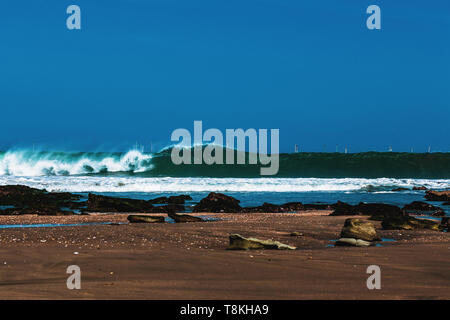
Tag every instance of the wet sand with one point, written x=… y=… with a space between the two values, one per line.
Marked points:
x=190 y=260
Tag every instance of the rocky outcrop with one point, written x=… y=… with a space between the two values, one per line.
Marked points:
x=421 y=188
x=377 y=211
x=184 y=218
x=419 y=207
x=359 y=229
x=218 y=202
x=26 y=200
x=134 y=218
x=238 y=242
x=409 y=223
x=432 y=195
x=99 y=203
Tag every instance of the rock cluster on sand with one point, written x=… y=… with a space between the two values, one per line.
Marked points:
x=432 y=195
x=238 y=242
x=410 y=223
x=358 y=233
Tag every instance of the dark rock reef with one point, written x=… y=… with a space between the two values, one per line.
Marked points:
x=432 y=195
x=419 y=207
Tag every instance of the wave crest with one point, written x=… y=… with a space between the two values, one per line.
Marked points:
x=28 y=163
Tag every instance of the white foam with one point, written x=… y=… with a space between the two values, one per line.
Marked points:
x=168 y=184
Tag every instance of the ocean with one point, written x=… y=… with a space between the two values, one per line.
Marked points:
x=304 y=177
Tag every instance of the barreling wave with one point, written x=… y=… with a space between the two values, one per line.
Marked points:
x=297 y=165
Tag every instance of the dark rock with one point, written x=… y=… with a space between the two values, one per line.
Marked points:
x=218 y=202
x=409 y=223
x=446 y=203
x=238 y=242
x=419 y=207
x=359 y=229
x=159 y=200
x=432 y=195
x=178 y=199
x=274 y=208
x=445 y=223
x=378 y=211
x=98 y=203
x=171 y=200
x=28 y=200
x=184 y=218
x=344 y=209
x=134 y=218
x=315 y=206
x=419 y=188
x=170 y=208
x=400 y=189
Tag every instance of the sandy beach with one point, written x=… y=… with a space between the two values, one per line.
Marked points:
x=190 y=260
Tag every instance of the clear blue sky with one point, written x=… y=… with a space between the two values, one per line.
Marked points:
x=140 y=69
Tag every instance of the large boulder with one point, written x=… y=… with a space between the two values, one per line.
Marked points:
x=99 y=203
x=238 y=242
x=421 y=188
x=218 y=202
x=410 y=223
x=419 y=207
x=359 y=229
x=134 y=218
x=432 y=195
x=184 y=218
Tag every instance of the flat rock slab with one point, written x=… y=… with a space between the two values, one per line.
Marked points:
x=351 y=242
x=238 y=242
x=134 y=218
x=184 y=217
